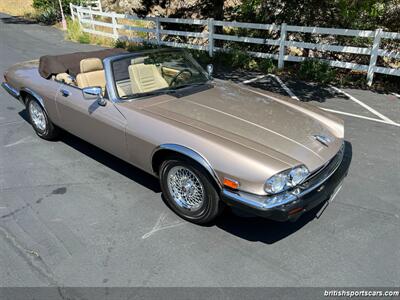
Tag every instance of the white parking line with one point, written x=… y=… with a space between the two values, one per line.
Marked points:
x=285 y=87
x=384 y=119
x=363 y=105
x=397 y=95
x=253 y=79
x=358 y=116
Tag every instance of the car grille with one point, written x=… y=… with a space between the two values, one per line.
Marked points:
x=325 y=171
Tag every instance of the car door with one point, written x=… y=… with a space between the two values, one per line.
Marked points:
x=103 y=126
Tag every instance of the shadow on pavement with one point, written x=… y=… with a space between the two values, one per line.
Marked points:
x=16 y=20
x=304 y=90
x=109 y=160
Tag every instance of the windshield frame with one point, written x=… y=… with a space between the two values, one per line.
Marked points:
x=111 y=84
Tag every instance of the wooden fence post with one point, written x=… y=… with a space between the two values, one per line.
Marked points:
x=282 y=40
x=91 y=18
x=158 y=28
x=210 y=37
x=114 y=23
x=99 y=6
x=374 y=56
x=71 y=8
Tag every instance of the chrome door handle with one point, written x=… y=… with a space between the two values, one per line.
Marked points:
x=65 y=93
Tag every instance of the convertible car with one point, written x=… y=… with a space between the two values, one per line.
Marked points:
x=210 y=142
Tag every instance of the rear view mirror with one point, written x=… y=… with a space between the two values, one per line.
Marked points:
x=210 y=69
x=94 y=93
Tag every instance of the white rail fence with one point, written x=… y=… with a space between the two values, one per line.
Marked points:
x=87 y=19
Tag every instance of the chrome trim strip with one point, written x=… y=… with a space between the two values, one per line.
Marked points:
x=191 y=154
x=10 y=89
x=261 y=202
x=36 y=96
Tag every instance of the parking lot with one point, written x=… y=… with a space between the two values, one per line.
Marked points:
x=73 y=215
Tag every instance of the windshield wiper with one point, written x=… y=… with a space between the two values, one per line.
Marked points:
x=185 y=86
x=162 y=91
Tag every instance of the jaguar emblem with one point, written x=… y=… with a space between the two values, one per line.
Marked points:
x=323 y=139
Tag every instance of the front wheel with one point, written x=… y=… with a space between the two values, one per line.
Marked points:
x=40 y=120
x=188 y=191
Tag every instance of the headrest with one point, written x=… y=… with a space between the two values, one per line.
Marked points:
x=91 y=65
x=138 y=60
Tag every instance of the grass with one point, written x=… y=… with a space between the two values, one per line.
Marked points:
x=75 y=33
x=17 y=7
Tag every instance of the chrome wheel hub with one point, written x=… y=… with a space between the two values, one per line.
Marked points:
x=37 y=115
x=185 y=188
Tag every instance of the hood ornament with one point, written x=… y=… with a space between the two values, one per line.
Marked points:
x=323 y=139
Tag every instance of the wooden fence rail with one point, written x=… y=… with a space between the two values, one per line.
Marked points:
x=86 y=15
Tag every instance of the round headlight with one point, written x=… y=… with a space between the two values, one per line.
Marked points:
x=297 y=175
x=276 y=183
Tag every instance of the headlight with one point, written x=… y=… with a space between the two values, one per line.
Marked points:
x=286 y=179
x=297 y=175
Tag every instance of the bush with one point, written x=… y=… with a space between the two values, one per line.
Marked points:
x=315 y=70
x=43 y=5
x=266 y=65
x=49 y=16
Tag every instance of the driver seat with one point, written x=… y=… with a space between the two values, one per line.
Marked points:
x=145 y=78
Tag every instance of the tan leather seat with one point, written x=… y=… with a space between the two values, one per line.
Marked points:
x=92 y=73
x=145 y=78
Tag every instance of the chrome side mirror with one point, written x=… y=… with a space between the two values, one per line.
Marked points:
x=210 y=69
x=94 y=93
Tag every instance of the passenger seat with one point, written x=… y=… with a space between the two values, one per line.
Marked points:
x=92 y=74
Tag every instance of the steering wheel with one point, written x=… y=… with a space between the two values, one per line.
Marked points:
x=173 y=81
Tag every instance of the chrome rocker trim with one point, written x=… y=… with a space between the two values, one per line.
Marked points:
x=266 y=203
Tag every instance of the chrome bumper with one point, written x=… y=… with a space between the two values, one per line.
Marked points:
x=287 y=199
x=12 y=91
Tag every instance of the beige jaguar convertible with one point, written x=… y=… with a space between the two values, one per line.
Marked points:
x=211 y=143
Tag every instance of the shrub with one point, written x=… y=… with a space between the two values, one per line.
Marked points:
x=266 y=65
x=48 y=16
x=43 y=5
x=234 y=58
x=315 y=70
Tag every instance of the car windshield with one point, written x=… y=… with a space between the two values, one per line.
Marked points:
x=151 y=73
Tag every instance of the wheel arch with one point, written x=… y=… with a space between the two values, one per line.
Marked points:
x=165 y=150
x=24 y=92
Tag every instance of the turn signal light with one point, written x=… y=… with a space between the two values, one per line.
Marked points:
x=295 y=211
x=233 y=184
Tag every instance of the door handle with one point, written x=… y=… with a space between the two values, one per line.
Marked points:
x=65 y=93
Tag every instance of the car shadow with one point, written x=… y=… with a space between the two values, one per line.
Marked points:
x=256 y=229
x=235 y=222
x=107 y=159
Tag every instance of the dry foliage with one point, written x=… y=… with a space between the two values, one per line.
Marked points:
x=16 y=7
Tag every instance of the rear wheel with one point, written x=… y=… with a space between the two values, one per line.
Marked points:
x=189 y=192
x=40 y=120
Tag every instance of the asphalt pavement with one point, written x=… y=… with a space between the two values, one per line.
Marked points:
x=73 y=215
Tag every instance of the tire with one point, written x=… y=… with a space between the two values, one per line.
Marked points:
x=40 y=121
x=197 y=211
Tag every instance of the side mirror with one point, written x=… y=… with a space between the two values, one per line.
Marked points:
x=94 y=93
x=210 y=69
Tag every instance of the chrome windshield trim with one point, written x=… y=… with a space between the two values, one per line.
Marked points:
x=110 y=84
x=268 y=202
x=12 y=91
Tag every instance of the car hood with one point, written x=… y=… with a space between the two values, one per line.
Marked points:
x=266 y=123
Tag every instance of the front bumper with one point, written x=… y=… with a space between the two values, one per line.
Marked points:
x=291 y=204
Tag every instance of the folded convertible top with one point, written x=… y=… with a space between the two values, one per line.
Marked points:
x=70 y=63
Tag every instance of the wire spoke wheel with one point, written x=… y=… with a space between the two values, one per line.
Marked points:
x=185 y=187
x=37 y=115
